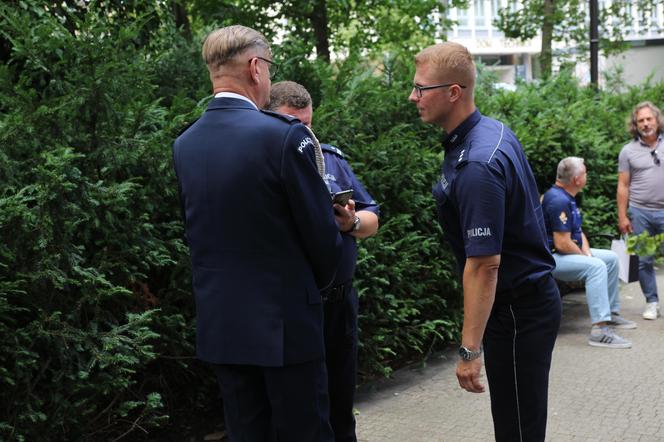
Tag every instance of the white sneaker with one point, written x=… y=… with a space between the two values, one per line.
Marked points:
x=651 y=311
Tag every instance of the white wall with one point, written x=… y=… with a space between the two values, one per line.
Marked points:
x=638 y=63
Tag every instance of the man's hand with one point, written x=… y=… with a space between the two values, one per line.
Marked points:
x=625 y=225
x=468 y=374
x=345 y=216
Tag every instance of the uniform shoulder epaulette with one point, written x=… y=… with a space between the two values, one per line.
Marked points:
x=287 y=118
x=187 y=126
x=462 y=160
x=329 y=148
x=482 y=154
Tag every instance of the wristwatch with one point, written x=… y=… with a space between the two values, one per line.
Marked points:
x=469 y=355
x=356 y=225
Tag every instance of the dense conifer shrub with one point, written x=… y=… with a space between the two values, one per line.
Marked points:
x=96 y=312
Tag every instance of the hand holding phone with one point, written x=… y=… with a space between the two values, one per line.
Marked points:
x=342 y=197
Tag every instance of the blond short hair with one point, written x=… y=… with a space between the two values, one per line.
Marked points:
x=289 y=93
x=568 y=168
x=633 y=128
x=452 y=60
x=223 y=44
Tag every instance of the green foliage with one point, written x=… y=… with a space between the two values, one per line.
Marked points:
x=571 y=21
x=342 y=27
x=409 y=296
x=96 y=313
x=559 y=118
x=645 y=244
x=89 y=221
x=568 y=21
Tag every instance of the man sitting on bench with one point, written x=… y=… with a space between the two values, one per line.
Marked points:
x=576 y=261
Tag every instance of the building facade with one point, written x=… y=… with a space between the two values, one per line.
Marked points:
x=514 y=60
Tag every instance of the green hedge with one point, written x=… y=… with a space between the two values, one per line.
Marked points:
x=96 y=312
x=558 y=119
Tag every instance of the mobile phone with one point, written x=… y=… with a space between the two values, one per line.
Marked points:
x=342 y=197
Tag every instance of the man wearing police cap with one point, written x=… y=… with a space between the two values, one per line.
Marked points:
x=263 y=240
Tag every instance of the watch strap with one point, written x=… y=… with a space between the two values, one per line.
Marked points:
x=356 y=225
x=469 y=355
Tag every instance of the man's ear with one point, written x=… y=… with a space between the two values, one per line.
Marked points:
x=455 y=92
x=254 y=72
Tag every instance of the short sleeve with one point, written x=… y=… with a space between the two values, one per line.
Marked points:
x=559 y=213
x=363 y=201
x=480 y=192
x=623 y=161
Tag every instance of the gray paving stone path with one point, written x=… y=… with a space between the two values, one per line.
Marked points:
x=595 y=394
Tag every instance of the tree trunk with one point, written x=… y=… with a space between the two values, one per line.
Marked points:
x=181 y=19
x=547 y=37
x=5 y=50
x=318 y=18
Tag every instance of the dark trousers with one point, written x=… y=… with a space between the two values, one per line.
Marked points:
x=275 y=404
x=340 y=328
x=518 y=343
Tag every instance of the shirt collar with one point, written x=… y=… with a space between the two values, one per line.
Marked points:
x=455 y=137
x=660 y=138
x=564 y=192
x=234 y=95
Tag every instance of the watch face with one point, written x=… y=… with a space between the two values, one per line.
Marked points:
x=468 y=355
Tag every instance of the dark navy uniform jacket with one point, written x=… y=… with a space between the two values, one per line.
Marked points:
x=561 y=215
x=488 y=203
x=339 y=176
x=262 y=235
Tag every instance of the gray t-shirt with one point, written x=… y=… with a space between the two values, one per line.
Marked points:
x=646 y=187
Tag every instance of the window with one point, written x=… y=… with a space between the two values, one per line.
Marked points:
x=480 y=14
x=462 y=17
x=495 y=7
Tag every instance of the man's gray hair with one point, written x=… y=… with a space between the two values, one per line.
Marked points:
x=633 y=127
x=223 y=44
x=568 y=168
x=288 y=93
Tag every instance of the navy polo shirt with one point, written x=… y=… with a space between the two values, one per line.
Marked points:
x=561 y=215
x=488 y=202
x=339 y=176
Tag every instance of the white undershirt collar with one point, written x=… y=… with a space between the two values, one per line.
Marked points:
x=234 y=95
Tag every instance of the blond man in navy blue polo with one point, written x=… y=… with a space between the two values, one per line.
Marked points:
x=489 y=210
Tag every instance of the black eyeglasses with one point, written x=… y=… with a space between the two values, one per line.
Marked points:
x=272 y=66
x=655 y=158
x=419 y=88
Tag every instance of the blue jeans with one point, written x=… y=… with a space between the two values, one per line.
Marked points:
x=600 y=274
x=651 y=221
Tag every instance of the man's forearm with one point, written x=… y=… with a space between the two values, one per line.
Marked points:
x=585 y=247
x=562 y=241
x=622 y=197
x=368 y=224
x=480 y=276
x=568 y=248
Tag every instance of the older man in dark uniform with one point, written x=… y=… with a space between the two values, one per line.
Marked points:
x=264 y=241
x=488 y=207
x=359 y=219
